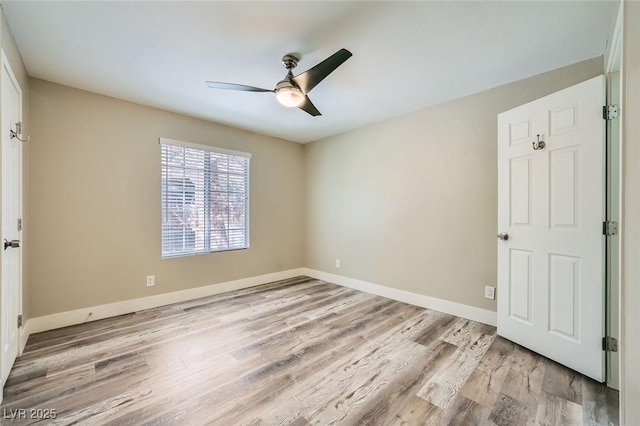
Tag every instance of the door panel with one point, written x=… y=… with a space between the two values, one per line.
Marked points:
x=520 y=132
x=520 y=285
x=564 y=192
x=563 y=119
x=551 y=203
x=521 y=191
x=564 y=289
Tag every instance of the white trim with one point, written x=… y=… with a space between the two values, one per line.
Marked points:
x=613 y=50
x=24 y=336
x=5 y=66
x=176 y=142
x=458 y=309
x=64 y=319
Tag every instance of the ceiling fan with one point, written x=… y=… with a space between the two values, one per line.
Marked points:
x=292 y=91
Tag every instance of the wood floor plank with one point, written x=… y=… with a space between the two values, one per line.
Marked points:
x=278 y=376
x=391 y=406
x=463 y=412
x=306 y=357
x=301 y=352
x=333 y=393
x=524 y=382
x=508 y=412
x=555 y=411
x=562 y=382
x=442 y=388
x=434 y=331
x=416 y=411
x=487 y=379
x=599 y=403
x=361 y=386
x=291 y=339
x=463 y=330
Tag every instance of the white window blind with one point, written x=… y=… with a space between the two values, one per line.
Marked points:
x=205 y=199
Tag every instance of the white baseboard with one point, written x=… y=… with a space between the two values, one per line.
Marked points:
x=458 y=309
x=64 y=319
x=24 y=336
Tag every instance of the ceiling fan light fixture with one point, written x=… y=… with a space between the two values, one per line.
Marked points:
x=289 y=95
x=292 y=90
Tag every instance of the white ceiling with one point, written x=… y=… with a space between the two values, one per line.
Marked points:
x=406 y=55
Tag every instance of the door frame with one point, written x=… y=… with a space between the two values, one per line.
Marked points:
x=613 y=187
x=5 y=65
x=612 y=252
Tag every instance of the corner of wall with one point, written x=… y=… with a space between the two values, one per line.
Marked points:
x=484 y=316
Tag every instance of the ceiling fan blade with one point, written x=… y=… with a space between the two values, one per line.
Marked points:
x=233 y=86
x=310 y=78
x=308 y=107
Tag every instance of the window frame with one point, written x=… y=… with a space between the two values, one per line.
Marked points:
x=207 y=149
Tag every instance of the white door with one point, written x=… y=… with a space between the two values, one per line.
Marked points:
x=11 y=213
x=551 y=205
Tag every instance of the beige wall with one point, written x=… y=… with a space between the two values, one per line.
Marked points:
x=397 y=202
x=95 y=201
x=630 y=294
x=15 y=61
x=410 y=203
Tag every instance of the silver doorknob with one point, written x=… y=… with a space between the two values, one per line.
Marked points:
x=12 y=244
x=503 y=236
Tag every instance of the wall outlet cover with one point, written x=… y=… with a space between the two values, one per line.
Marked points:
x=489 y=292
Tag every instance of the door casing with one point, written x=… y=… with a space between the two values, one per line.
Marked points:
x=6 y=70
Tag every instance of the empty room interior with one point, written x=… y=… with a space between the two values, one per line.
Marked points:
x=318 y=213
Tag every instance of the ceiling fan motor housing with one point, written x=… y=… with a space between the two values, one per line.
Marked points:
x=290 y=61
x=288 y=93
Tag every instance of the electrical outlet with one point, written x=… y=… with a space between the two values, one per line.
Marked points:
x=151 y=280
x=337 y=263
x=489 y=292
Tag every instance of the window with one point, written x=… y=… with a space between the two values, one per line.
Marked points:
x=205 y=199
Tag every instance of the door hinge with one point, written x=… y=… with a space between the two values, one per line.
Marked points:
x=610 y=344
x=610 y=228
x=609 y=112
x=20 y=321
x=19 y=224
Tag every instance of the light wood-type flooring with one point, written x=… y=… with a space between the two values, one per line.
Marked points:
x=299 y=351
